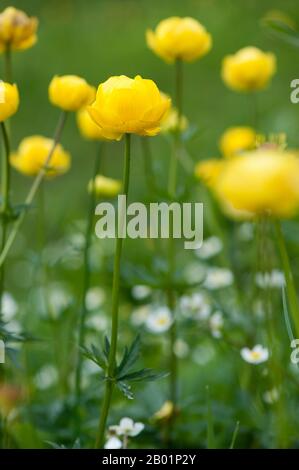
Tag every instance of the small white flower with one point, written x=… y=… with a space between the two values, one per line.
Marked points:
x=141 y=292
x=181 y=348
x=256 y=355
x=94 y=298
x=113 y=443
x=273 y=279
x=216 y=324
x=271 y=396
x=98 y=322
x=209 y=248
x=9 y=307
x=127 y=427
x=159 y=320
x=140 y=315
x=217 y=278
x=59 y=298
x=46 y=377
x=195 y=306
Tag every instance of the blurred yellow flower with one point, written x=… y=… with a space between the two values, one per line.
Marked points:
x=208 y=171
x=70 y=92
x=103 y=186
x=32 y=155
x=9 y=100
x=10 y=396
x=237 y=139
x=126 y=105
x=265 y=181
x=249 y=69
x=165 y=412
x=17 y=30
x=88 y=128
x=170 y=121
x=179 y=38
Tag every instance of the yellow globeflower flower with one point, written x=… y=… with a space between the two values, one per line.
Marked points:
x=9 y=100
x=179 y=38
x=265 y=181
x=208 y=171
x=17 y=30
x=249 y=69
x=70 y=92
x=128 y=106
x=103 y=186
x=237 y=139
x=32 y=155
x=170 y=121
x=89 y=129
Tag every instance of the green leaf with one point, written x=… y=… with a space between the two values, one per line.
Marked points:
x=283 y=31
x=125 y=389
x=143 y=375
x=106 y=348
x=130 y=357
x=95 y=355
x=235 y=434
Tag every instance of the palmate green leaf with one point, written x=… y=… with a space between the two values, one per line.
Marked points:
x=143 y=375
x=125 y=389
x=95 y=355
x=130 y=357
x=283 y=31
x=106 y=348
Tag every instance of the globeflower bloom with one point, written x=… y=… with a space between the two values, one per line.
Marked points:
x=262 y=182
x=179 y=38
x=70 y=92
x=237 y=139
x=103 y=186
x=89 y=129
x=9 y=100
x=208 y=171
x=128 y=106
x=250 y=69
x=33 y=153
x=17 y=30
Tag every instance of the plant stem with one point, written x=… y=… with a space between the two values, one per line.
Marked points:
x=7 y=65
x=290 y=284
x=33 y=190
x=110 y=379
x=172 y=186
x=5 y=183
x=86 y=276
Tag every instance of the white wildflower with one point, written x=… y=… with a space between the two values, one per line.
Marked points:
x=256 y=355
x=209 y=248
x=159 y=320
x=217 y=278
x=140 y=292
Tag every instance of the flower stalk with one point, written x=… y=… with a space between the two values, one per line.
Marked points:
x=86 y=274
x=111 y=368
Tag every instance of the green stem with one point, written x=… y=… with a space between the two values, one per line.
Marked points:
x=33 y=190
x=177 y=141
x=110 y=379
x=290 y=284
x=172 y=187
x=7 y=65
x=5 y=201
x=86 y=276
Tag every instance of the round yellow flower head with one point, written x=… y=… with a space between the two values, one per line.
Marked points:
x=70 y=92
x=170 y=121
x=32 y=155
x=88 y=128
x=179 y=38
x=103 y=186
x=249 y=69
x=17 y=30
x=165 y=413
x=237 y=139
x=265 y=181
x=125 y=105
x=9 y=100
x=208 y=171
